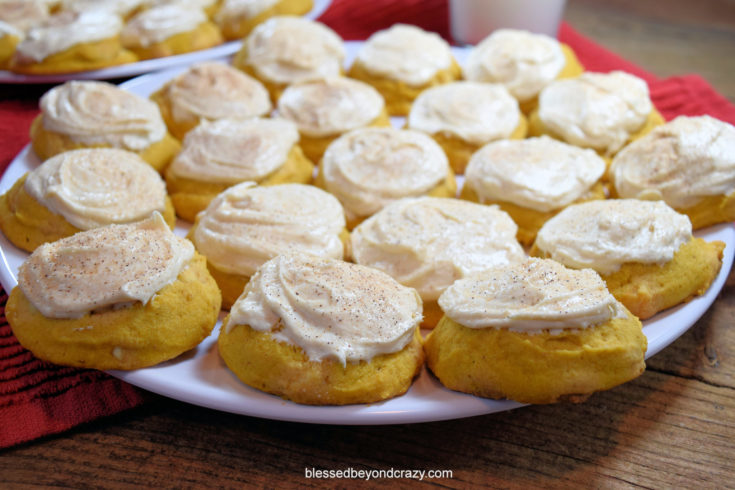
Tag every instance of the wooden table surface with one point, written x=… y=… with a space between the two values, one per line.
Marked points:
x=672 y=427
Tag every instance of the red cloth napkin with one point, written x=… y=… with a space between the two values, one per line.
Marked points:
x=37 y=398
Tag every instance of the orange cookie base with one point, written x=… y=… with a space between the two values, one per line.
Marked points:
x=536 y=368
x=285 y=370
x=29 y=224
x=175 y=320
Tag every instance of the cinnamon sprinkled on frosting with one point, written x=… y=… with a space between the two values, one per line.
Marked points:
x=115 y=265
x=368 y=168
x=96 y=187
x=246 y=225
x=429 y=242
x=290 y=49
x=98 y=113
x=605 y=234
x=330 y=106
x=596 y=110
x=213 y=90
x=329 y=308
x=229 y=151
x=406 y=53
x=532 y=296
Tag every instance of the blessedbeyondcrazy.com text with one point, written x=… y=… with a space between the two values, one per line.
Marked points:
x=391 y=473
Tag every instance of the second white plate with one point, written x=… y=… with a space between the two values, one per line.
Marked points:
x=146 y=66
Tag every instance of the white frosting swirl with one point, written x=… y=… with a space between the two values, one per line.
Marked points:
x=159 y=23
x=290 y=49
x=245 y=226
x=331 y=309
x=228 y=151
x=98 y=113
x=596 y=110
x=371 y=167
x=330 y=106
x=66 y=29
x=520 y=60
x=96 y=187
x=537 y=173
x=428 y=243
x=113 y=265
x=10 y=30
x=604 y=235
x=532 y=296
x=214 y=90
x=121 y=8
x=681 y=162
x=406 y=53
x=241 y=9
x=472 y=111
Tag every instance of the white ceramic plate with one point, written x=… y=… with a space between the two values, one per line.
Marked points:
x=146 y=66
x=200 y=377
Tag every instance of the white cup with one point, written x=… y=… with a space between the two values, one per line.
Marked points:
x=471 y=21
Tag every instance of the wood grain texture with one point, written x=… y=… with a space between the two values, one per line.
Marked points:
x=674 y=427
x=666 y=38
x=659 y=430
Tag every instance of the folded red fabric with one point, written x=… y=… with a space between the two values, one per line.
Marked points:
x=38 y=398
x=15 y=119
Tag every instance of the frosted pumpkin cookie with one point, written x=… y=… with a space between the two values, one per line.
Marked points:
x=116 y=297
x=80 y=190
x=533 y=179
x=403 y=61
x=10 y=36
x=236 y=18
x=284 y=50
x=71 y=41
x=223 y=153
x=523 y=62
x=89 y=114
x=326 y=108
x=644 y=250
x=167 y=30
x=602 y=111
x=688 y=162
x=210 y=91
x=371 y=167
x=463 y=116
x=324 y=332
x=245 y=226
x=534 y=332
x=427 y=243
